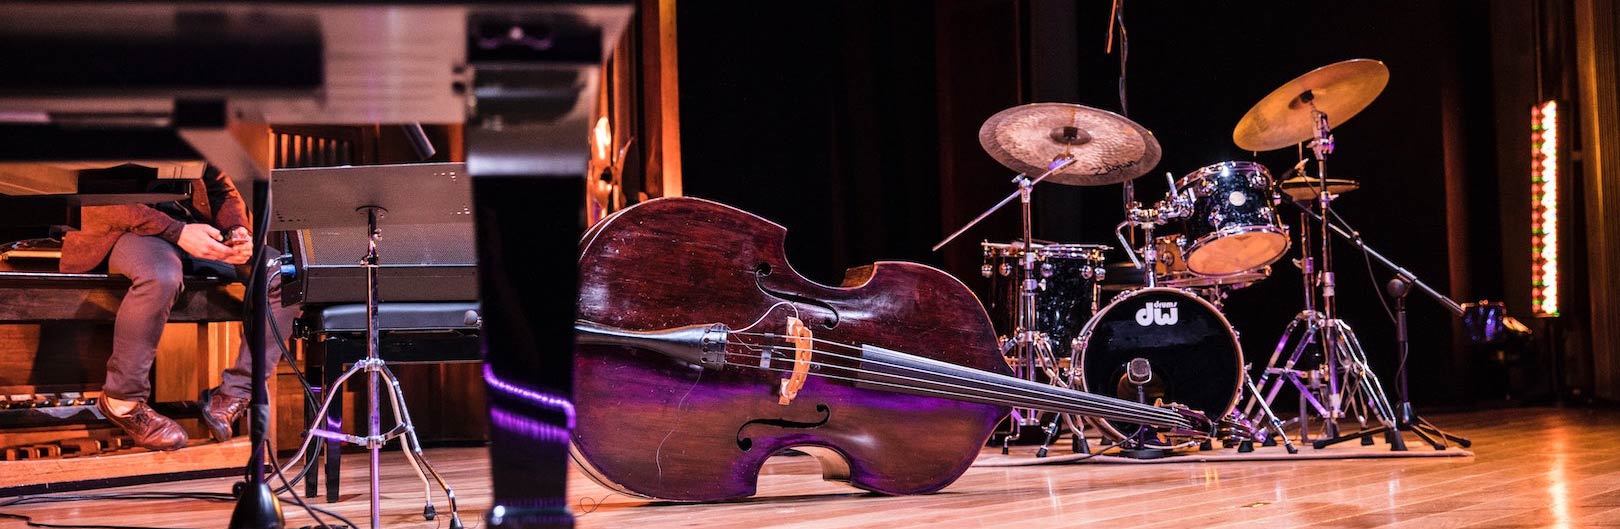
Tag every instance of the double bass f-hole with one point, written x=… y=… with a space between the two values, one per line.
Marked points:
x=747 y=443
x=762 y=270
x=802 y=340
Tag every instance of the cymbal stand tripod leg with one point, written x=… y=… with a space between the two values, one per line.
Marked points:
x=1311 y=396
x=1364 y=389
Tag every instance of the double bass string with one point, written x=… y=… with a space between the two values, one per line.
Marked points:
x=1122 y=413
x=939 y=392
x=1116 y=408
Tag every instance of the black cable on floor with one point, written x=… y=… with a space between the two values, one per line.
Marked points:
x=129 y=496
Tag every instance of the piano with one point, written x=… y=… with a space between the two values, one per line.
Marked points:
x=169 y=83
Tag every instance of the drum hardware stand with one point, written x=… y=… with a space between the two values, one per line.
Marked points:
x=1147 y=219
x=1027 y=346
x=1274 y=425
x=1403 y=415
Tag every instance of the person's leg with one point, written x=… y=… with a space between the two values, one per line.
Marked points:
x=223 y=405
x=153 y=268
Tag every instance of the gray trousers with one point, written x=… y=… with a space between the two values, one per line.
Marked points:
x=157 y=269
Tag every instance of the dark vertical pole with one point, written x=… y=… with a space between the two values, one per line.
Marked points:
x=527 y=154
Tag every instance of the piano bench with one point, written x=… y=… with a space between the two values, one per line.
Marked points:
x=408 y=333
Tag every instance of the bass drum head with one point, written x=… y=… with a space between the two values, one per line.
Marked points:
x=1192 y=350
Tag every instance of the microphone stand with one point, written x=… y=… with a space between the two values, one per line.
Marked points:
x=1406 y=419
x=257 y=507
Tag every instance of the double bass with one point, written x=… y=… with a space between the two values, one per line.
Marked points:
x=701 y=353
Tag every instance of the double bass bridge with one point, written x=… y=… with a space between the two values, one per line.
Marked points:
x=802 y=340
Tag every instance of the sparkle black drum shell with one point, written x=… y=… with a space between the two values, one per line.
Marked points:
x=1192 y=349
x=1233 y=228
x=1068 y=275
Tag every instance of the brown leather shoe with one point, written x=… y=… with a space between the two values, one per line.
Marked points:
x=220 y=412
x=148 y=428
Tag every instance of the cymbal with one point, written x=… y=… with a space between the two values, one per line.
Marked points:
x=1107 y=147
x=1283 y=118
x=1305 y=187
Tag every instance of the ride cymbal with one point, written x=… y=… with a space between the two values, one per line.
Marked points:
x=1283 y=117
x=1107 y=148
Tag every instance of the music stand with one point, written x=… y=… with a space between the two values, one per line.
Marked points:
x=355 y=196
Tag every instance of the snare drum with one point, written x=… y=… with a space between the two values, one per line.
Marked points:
x=1067 y=275
x=1233 y=228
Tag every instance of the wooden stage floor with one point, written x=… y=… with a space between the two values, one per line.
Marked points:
x=1534 y=467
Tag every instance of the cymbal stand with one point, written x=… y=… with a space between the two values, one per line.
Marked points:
x=1350 y=383
x=1028 y=347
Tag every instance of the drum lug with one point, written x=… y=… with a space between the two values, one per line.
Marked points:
x=1076 y=346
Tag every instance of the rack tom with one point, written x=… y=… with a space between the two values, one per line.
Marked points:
x=1233 y=228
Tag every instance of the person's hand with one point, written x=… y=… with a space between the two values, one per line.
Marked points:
x=241 y=245
x=239 y=235
x=203 y=242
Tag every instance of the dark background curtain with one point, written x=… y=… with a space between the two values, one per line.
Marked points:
x=854 y=124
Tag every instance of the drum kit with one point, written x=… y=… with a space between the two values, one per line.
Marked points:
x=1165 y=336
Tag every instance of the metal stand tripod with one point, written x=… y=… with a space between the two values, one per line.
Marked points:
x=1029 y=349
x=376 y=371
x=1404 y=419
x=331 y=197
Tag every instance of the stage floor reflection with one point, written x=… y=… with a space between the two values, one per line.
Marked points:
x=1533 y=467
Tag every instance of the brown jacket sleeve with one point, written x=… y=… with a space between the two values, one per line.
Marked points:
x=230 y=212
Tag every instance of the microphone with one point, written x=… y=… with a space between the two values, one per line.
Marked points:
x=1139 y=372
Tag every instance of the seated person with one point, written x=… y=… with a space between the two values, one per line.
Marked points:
x=155 y=246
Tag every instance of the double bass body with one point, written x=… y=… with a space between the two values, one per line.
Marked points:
x=651 y=426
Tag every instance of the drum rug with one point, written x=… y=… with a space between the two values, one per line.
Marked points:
x=1025 y=455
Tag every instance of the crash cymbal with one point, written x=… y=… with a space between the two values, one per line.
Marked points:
x=1107 y=147
x=1305 y=187
x=1283 y=118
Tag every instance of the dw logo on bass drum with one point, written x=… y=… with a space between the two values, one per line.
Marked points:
x=1157 y=313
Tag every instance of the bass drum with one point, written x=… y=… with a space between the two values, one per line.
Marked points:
x=1191 y=348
